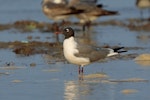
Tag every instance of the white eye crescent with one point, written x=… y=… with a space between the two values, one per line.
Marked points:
x=67 y=30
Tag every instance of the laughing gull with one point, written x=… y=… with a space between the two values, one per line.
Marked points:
x=83 y=55
x=91 y=11
x=143 y=4
x=57 y=9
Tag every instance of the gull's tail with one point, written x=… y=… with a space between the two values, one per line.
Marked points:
x=115 y=51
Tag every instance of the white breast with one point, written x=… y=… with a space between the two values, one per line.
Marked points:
x=69 y=47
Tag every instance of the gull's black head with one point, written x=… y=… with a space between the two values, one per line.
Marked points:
x=68 y=32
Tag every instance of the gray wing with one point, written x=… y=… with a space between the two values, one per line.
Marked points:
x=92 y=10
x=91 y=52
x=60 y=9
x=89 y=1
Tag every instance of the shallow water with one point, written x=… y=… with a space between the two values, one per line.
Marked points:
x=59 y=80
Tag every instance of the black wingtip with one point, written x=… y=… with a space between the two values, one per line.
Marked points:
x=118 y=50
x=122 y=51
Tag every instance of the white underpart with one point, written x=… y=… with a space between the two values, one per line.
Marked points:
x=69 y=46
x=55 y=1
x=59 y=1
x=111 y=53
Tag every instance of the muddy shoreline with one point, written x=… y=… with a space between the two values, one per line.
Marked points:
x=32 y=47
x=31 y=25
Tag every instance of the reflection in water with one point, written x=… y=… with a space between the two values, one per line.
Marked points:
x=87 y=90
x=71 y=90
x=75 y=90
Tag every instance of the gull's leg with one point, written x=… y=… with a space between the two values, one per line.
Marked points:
x=82 y=70
x=86 y=25
x=141 y=14
x=79 y=70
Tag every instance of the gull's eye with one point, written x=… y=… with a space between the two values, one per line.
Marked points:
x=67 y=30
